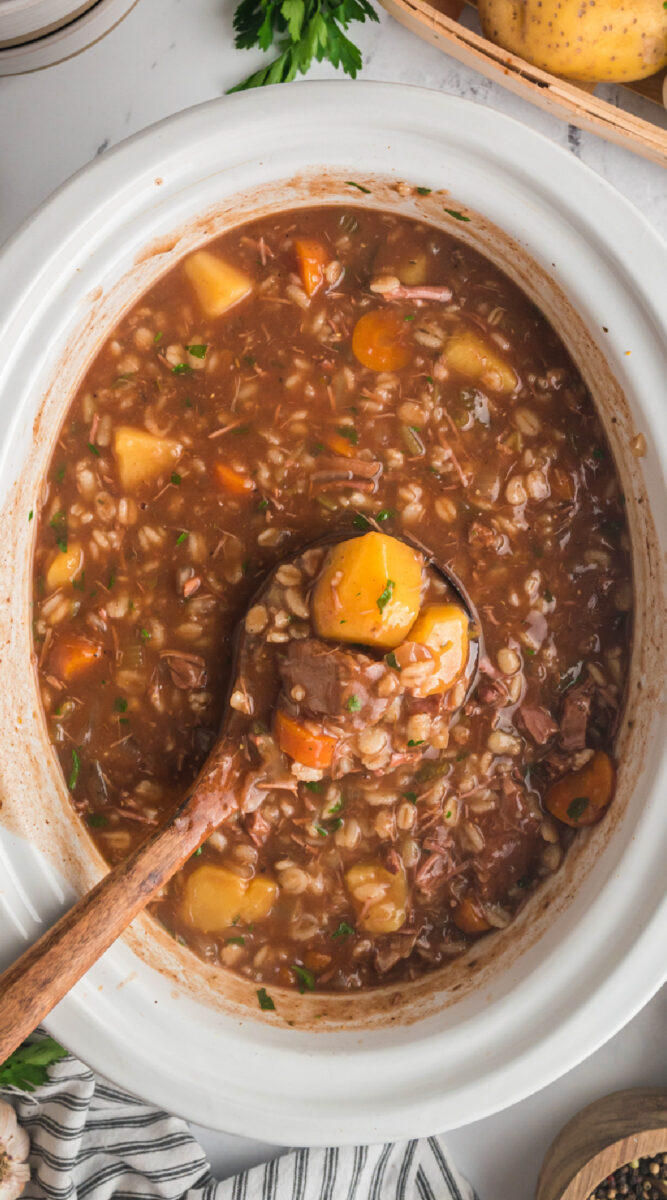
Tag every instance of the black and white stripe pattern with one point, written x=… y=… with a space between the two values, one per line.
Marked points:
x=92 y=1141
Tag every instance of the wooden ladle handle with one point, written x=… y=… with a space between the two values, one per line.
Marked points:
x=34 y=984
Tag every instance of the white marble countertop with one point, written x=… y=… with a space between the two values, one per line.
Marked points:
x=165 y=56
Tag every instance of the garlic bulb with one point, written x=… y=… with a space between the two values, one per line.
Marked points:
x=14 y=1149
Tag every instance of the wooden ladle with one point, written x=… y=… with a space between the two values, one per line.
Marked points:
x=39 y=979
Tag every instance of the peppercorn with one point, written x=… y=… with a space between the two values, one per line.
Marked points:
x=640 y=1179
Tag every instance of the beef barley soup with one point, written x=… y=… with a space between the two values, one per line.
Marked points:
x=331 y=371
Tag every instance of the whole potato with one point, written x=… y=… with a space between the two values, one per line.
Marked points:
x=588 y=40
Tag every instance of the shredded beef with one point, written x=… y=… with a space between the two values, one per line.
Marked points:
x=574 y=720
x=537 y=722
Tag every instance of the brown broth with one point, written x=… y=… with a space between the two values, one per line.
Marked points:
x=499 y=466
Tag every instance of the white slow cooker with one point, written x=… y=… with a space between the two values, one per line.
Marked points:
x=526 y=1004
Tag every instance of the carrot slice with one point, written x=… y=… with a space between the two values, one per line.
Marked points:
x=581 y=797
x=71 y=656
x=313 y=258
x=379 y=340
x=469 y=916
x=340 y=445
x=233 y=481
x=304 y=742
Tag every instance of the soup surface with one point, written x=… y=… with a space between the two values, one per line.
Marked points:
x=320 y=371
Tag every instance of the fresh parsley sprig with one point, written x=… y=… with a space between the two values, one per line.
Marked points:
x=305 y=30
x=27 y=1067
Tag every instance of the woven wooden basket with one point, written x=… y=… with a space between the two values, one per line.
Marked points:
x=437 y=21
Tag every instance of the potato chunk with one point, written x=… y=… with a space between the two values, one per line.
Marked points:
x=469 y=354
x=217 y=283
x=65 y=567
x=379 y=897
x=141 y=456
x=443 y=629
x=215 y=898
x=369 y=591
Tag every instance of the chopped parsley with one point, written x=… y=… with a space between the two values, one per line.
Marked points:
x=577 y=807
x=93 y=449
x=112 y=580
x=385 y=596
x=334 y=808
x=452 y=212
x=96 y=820
x=392 y=661
x=30 y=515
x=353 y=704
x=305 y=979
x=181 y=369
x=235 y=941
x=262 y=506
x=349 y=433
x=360 y=522
x=313 y=785
x=80 y=582
x=144 y=635
x=176 y=479
x=423 y=191
x=415 y=742
x=385 y=514
x=120 y=704
x=321 y=830
x=197 y=852
x=358 y=186
x=197 y=351
x=598 y=453
x=344 y=930
x=181 y=537
x=158 y=337
x=58 y=524
x=411 y=796
x=74 y=773
x=60 y=473
x=265 y=1002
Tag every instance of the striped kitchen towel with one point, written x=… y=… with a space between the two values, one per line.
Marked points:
x=92 y=1141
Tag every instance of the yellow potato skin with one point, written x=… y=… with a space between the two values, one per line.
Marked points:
x=215 y=898
x=348 y=602
x=588 y=40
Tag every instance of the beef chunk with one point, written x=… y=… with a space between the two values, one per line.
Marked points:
x=338 y=683
x=574 y=721
x=537 y=722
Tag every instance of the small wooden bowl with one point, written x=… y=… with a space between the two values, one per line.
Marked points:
x=601 y=1138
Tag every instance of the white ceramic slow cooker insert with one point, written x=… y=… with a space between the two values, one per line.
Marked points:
x=527 y=1004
